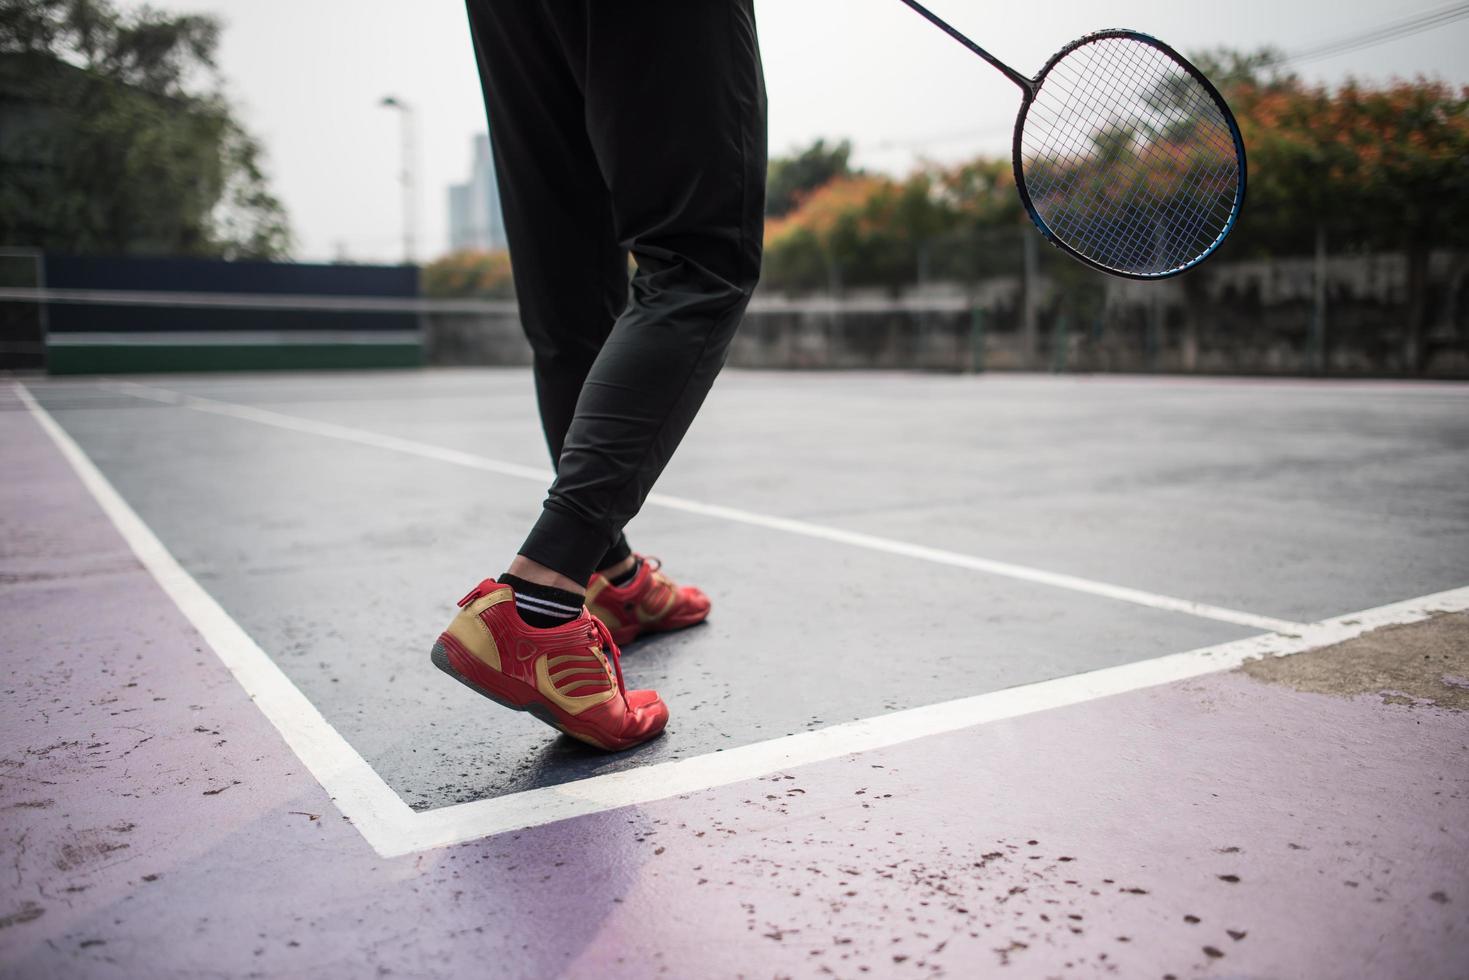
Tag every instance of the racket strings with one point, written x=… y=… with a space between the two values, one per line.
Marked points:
x=1174 y=220
x=1109 y=209
x=1124 y=230
x=1130 y=220
x=1146 y=218
x=1128 y=159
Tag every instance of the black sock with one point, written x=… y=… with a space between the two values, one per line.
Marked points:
x=542 y=606
x=627 y=576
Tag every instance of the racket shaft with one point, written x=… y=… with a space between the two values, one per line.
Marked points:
x=947 y=28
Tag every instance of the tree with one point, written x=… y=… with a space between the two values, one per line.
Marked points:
x=118 y=139
x=1408 y=165
x=1367 y=168
x=793 y=177
x=1376 y=164
x=864 y=230
x=807 y=247
x=484 y=275
x=1263 y=68
x=1374 y=168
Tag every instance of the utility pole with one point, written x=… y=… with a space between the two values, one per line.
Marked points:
x=1030 y=299
x=406 y=176
x=1316 y=358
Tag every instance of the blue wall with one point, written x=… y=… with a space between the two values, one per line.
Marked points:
x=212 y=276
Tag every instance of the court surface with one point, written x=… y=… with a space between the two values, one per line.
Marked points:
x=1006 y=675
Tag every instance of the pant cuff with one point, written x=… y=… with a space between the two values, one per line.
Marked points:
x=620 y=551
x=565 y=544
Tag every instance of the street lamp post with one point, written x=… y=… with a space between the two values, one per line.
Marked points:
x=406 y=176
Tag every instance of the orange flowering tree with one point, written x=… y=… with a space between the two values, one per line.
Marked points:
x=1404 y=151
x=795 y=175
x=1380 y=167
x=867 y=230
x=1373 y=167
x=469 y=273
x=1370 y=168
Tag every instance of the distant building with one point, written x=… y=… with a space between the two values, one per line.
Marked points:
x=475 y=219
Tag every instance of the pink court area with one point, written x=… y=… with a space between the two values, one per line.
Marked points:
x=1243 y=824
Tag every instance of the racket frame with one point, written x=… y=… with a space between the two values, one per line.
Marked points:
x=1016 y=151
x=1030 y=87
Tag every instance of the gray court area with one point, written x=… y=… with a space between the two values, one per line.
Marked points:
x=1296 y=500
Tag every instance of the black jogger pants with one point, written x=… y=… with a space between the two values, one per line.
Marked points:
x=631 y=126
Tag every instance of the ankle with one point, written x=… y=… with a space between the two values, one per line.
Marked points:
x=543 y=606
x=620 y=570
x=523 y=568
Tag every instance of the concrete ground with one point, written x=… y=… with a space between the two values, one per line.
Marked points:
x=981 y=693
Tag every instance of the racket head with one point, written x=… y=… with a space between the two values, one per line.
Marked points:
x=1127 y=158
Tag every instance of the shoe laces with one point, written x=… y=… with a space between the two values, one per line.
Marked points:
x=610 y=649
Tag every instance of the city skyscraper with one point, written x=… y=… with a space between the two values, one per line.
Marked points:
x=475 y=219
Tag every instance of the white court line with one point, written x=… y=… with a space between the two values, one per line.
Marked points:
x=807 y=529
x=393 y=829
x=357 y=789
x=481 y=818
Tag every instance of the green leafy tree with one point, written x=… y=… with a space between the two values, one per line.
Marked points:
x=118 y=140
x=1229 y=69
x=793 y=177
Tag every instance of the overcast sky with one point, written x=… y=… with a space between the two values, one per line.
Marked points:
x=307 y=76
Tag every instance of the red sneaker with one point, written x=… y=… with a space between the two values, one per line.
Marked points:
x=568 y=676
x=650 y=603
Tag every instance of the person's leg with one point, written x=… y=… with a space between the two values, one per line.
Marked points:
x=675 y=113
x=515 y=640
x=571 y=275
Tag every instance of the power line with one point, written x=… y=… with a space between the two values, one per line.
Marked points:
x=1381 y=34
x=907 y=143
x=1371 y=37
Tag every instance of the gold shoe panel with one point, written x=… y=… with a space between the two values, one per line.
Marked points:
x=648 y=615
x=472 y=633
x=575 y=704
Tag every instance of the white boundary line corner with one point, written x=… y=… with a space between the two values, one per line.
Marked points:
x=359 y=792
x=393 y=829
x=482 y=818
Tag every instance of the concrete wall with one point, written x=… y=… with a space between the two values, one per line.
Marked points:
x=1236 y=318
x=475 y=338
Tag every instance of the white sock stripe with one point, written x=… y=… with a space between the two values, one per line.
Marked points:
x=538 y=601
x=545 y=605
x=555 y=614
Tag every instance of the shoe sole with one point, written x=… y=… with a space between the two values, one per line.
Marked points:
x=442 y=659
